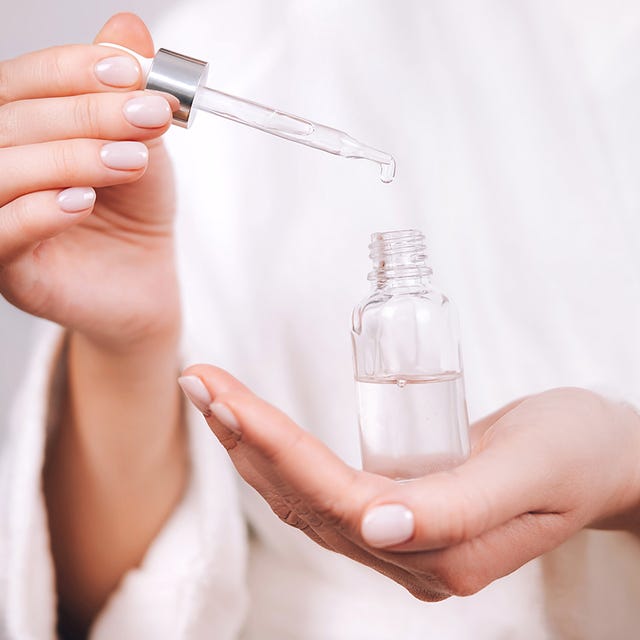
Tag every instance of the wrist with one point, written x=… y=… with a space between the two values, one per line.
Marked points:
x=135 y=328
x=151 y=344
x=623 y=510
x=125 y=404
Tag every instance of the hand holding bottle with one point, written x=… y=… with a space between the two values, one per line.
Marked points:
x=540 y=470
x=73 y=118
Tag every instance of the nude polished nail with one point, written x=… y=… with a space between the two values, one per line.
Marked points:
x=196 y=392
x=118 y=71
x=225 y=416
x=125 y=156
x=76 y=199
x=147 y=111
x=387 y=525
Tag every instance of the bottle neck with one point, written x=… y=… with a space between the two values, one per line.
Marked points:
x=399 y=261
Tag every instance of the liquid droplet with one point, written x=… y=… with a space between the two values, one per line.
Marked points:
x=388 y=171
x=401 y=383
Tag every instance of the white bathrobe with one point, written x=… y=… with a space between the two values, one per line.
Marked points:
x=516 y=127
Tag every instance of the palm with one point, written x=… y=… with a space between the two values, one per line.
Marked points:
x=116 y=264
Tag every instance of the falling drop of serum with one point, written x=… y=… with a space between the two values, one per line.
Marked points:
x=388 y=171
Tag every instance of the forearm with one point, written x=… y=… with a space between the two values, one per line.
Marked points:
x=115 y=469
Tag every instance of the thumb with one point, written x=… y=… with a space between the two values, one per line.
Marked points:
x=503 y=479
x=128 y=30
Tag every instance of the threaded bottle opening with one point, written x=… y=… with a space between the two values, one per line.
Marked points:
x=398 y=254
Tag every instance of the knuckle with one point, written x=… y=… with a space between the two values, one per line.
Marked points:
x=323 y=513
x=5 y=83
x=86 y=114
x=18 y=219
x=454 y=529
x=23 y=213
x=10 y=222
x=65 y=161
x=229 y=441
x=288 y=515
x=296 y=506
x=54 y=69
x=471 y=515
x=9 y=125
x=294 y=520
x=328 y=516
x=18 y=224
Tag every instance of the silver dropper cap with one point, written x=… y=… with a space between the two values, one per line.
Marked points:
x=180 y=76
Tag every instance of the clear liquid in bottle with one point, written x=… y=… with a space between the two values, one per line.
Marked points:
x=412 y=426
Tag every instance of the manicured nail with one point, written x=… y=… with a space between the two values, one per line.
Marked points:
x=76 y=199
x=224 y=416
x=195 y=390
x=387 y=525
x=125 y=155
x=147 y=111
x=118 y=71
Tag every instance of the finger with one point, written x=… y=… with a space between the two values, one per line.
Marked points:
x=77 y=69
x=506 y=478
x=33 y=218
x=66 y=71
x=247 y=462
x=127 y=30
x=309 y=468
x=74 y=163
x=114 y=116
x=264 y=428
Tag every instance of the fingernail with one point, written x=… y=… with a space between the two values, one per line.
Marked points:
x=387 y=525
x=224 y=416
x=125 y=155
x=195 y=390
x=118 y=71
x=76 y=199
x=147 y=111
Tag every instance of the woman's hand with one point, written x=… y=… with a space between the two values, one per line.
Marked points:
x=540 y=470
x=101 y=264
x=74 y=118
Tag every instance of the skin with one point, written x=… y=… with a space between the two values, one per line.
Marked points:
x=541 y=469
x=116 y=465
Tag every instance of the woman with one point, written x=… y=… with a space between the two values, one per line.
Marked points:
x=491 y=115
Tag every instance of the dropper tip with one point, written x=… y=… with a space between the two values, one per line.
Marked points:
x=388 y=170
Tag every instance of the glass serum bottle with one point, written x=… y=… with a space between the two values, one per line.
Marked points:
x=407 y=365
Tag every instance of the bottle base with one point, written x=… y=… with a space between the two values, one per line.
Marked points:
x=407 y=468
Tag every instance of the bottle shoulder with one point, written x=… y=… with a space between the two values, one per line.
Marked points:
x=383 y=299
x=381 y=306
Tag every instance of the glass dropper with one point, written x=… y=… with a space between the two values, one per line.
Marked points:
x=184 y=77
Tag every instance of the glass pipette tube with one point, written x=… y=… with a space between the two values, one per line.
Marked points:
x=184 y=78
x=293 y=128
